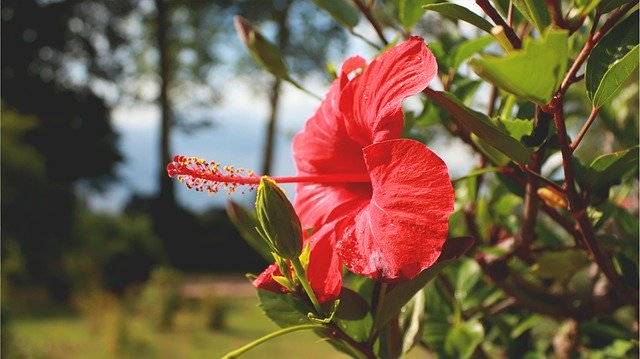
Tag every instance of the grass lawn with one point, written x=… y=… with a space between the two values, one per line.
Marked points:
x=66 y=335
x=109 y=328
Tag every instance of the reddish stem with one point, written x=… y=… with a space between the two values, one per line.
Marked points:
x=498 y=20
x=527 y=233
x=578 y=207
x=593 y=39
x=585 y=128
x=558 y=18
x=366 y=11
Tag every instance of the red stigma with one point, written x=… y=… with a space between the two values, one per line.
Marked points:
x=207 y=176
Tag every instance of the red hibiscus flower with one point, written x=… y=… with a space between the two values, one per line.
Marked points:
x=394 y=225
x=377 y=203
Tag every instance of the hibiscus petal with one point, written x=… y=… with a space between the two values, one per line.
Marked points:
x=402 y=230
x=317 y=204
x=350 y=65
x=372 y=102
x=325 y=271
x=265 y=280
x=328 y=145
x=323 y=147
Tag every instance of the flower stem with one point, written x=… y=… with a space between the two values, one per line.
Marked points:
x=300 y=273
x=236 y=353
x=299 y=86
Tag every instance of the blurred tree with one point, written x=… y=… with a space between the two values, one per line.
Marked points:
x=188 y=37
x=58 y=69
x=167 y=189
x=184 y=36
x=280 y=16
x=114 y=251
x=186 y=44
x=176 y=51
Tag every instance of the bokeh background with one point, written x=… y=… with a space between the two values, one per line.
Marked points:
x=102 y=254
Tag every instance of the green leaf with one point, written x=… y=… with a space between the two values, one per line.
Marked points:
x=436 y=323
x=435 y=332
x=358 y=329
x=586 y=6
x=618 y=349
x=494 y=156
x=465 y=89
x=503 y=9
x=352 y=305
x=458 y=12
x=605 y=330
x=608 y=170
x=463 y=338
x=560 y=265
x=629 y=226
x=540 y=132
x=341 y=10
x=517 y=127
x=397 y=297
x=482 y=126
x=284 y=309
x=525 y=325
x=627 y=268
x=410 y=11
x=442 y=57
x=612 y=61
x=535 y=11
x=468 y=275
x=610 y=5
x=411 y=319
x=245 y=222
x=534 y=72
x=477 y=172
x=469 y=48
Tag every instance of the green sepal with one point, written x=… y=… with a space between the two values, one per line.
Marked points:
x=277 y=220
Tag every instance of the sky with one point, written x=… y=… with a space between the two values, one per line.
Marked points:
x=236 y=138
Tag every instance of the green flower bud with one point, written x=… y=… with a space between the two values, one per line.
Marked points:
x=262 y=50
x=278 y=222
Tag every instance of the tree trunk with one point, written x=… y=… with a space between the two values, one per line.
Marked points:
x=269 y=143
x=167 y=189
x=281 y=16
